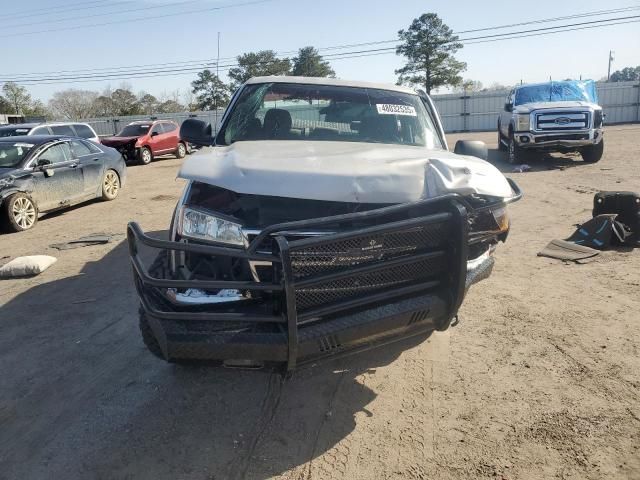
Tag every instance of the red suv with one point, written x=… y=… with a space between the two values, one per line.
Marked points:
x=144 y=140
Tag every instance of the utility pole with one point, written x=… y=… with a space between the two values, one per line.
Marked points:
x=611 y=58
x=215 y=90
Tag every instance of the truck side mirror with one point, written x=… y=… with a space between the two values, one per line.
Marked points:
x=508 y=107
x=196 y=132
x=472 y=148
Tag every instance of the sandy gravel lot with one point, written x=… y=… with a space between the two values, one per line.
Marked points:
x=540 y=380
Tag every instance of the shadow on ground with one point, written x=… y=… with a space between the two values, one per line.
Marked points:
x=538 y=162
x=80 y=397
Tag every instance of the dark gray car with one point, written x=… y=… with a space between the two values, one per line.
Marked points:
x=42 y=173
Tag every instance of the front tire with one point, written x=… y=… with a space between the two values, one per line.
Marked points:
x=146 y=157
x=20 y=212
x=181 y=151
x=110 y=185
x=593 y=153
x=514 y=153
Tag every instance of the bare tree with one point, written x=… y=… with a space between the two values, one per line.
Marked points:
x=74 y=104
x=17 y=96
x=469 y=86
x=189 y=100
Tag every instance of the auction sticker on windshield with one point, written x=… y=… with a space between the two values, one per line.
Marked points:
x=390 y=109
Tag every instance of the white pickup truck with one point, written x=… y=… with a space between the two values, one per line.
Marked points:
x=324 y=217
x=554 y=116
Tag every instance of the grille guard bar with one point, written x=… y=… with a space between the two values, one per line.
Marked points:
x=451 y=209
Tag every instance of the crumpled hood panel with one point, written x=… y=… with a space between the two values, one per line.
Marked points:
x=343 y=171
x=118 y=141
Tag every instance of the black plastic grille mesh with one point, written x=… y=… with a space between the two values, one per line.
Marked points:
x=342 y=254
x=368 y=283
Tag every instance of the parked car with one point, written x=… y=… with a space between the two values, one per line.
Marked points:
x=39 y=174
x=329 y=216
x=142 y=141
x=70 y=129
x=552 y=117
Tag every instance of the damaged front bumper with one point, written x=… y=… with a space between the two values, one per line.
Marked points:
x=390 y=273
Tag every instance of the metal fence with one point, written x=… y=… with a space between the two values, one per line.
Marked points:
x=112 y=125
x=479 y=111
x=459 y=112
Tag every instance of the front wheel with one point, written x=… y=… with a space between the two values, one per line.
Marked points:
x=593 y=153
x=110 y=185
x=181 y=151
x=20 y=212
x=145 y=156
x=515 y=153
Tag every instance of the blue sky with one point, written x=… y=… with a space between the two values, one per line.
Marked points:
x=285 y=25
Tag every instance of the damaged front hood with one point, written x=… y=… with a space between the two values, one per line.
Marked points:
x=118 y=141
x=343 y=171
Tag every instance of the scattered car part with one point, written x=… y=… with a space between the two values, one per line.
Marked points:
x=627 y=207
x=567 y=251
x=89 y=240
x=600 y=232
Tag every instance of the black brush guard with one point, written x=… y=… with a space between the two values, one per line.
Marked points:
x=391 y=273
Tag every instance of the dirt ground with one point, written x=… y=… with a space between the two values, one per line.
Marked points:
x=540 y=380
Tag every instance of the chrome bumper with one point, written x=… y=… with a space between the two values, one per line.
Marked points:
x=566 y=139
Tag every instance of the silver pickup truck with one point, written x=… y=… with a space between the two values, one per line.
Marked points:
x=554 y=116
x=325 y=217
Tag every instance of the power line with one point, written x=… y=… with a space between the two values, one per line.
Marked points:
x=551 y=33
x=186 y=63
x=557 y=19
x=138 y=19
x=336 y=56
x=210 y=61
x=468 y=40
x=52 y=11
x=94 y=15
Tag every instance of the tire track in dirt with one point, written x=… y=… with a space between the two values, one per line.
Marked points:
x=414 y=411
x=242 y=462
x=333 y=464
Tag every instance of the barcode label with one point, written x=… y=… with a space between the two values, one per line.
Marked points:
x=389 y=109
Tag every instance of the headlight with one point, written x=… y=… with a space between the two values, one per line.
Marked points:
x=200 y=225
x=501 y=217
x=5 y=182
x=522 y=123
x=489 y=222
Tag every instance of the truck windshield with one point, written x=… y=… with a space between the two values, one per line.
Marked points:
x=557 y=92
x=289 y=111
